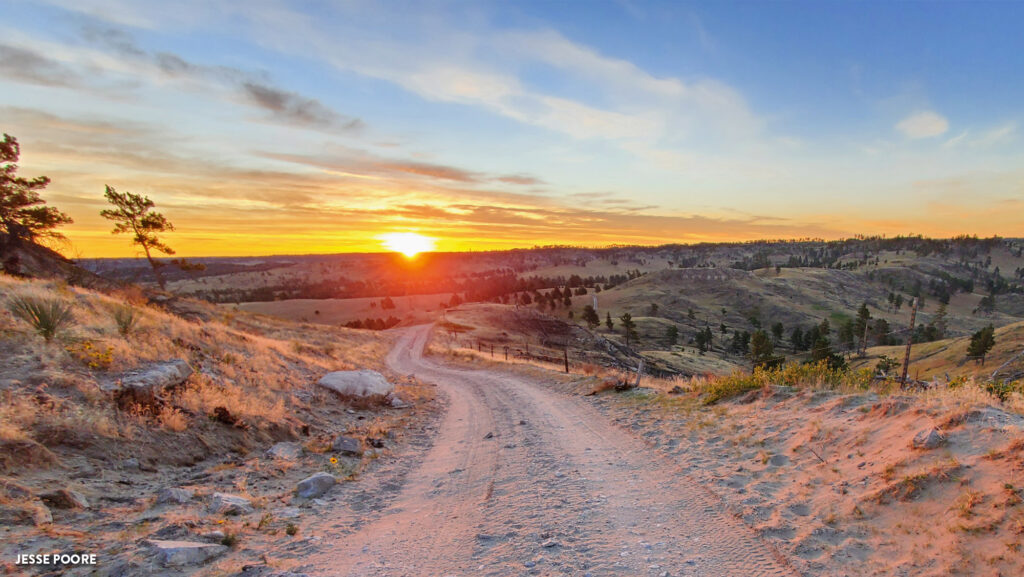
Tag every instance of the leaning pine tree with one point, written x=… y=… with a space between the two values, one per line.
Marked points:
x=134 y=213
x=23 y=214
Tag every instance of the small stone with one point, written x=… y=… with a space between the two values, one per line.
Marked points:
x=174 y=496
x=347 y=446
x=549 y=544
x=225 y=504
x=285 y=451
x=288 y=513
x=66 y=499
x=928 y=439
x=131 y=464
x=214 y=536
x=315 y=486
x=529 y=564
x=185 y=553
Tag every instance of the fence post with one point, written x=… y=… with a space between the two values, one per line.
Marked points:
x=910 y=341
x=565 y=355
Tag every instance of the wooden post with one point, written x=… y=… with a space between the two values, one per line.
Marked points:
x=565 y=355
x=492 y=350
x=506 y=353
x=478 y=345
x=910 y=340
x=639 y=371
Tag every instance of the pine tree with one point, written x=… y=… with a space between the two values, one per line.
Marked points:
x=981 y=343
x=590 y=317
x=608 y=321
x=672 y=334
x=761 y=349
x=133 y=213
x=629 y=327
x=23 y=214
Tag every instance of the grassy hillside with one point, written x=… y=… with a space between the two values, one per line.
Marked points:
x=949 y=356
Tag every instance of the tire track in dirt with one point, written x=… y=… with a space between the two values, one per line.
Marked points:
x=524 y=480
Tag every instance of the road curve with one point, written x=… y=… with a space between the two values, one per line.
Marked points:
x=522 y=480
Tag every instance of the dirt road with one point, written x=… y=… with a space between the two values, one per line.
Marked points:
x=524 y=481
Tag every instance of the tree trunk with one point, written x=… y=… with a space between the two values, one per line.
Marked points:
x=156 y=269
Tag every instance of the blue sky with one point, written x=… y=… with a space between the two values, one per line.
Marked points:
x=319 y=126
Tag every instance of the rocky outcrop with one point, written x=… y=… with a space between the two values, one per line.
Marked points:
x=225 y=504
x=928 y=439
x=146 y=387
x=65 y=499
x=285 y=451
x=315 y=486
x=185 y=553
x=348 y=446
x=357 y=384
x=174 y=496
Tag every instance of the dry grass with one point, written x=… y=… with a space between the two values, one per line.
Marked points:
x=253 y=369
x=203 y=396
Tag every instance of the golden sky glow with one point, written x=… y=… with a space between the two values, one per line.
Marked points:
x=326 y=131
x=408 y=243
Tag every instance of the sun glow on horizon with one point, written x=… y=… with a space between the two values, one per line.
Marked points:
x=408 y=243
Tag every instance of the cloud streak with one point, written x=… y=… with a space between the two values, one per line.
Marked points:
x=923 y=124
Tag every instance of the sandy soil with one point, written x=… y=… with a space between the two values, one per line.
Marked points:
x=525 y=480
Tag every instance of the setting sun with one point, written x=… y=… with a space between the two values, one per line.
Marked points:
x=408 y=243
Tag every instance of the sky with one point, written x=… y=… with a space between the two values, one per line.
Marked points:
x=276 y=127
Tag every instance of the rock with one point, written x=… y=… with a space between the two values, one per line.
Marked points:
x=131 y=464
x=225 y=504
x=288 y=513
x=12 y=490
x=315 y=486
x=348 y=446
x=676 y=390
x=185 y=553
x=25 y=514
x=778 y=460
x=928 y=439
x=398 y=403
x=359 y=384
x=66 y=499
x=174 y=496
x=146 y=386
x=285 y=451
x=213 y=536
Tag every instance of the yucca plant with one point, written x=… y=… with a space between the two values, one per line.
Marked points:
x=126 y=317
x=47 y=316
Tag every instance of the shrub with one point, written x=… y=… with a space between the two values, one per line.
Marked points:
x=47 y=316
x=126 y=317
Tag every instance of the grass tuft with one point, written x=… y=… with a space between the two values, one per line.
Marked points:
x=47 y=316
x=126 y=317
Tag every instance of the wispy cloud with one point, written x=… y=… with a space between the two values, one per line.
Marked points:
x=923 y=124
x=29 y=66
x=292 y=108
